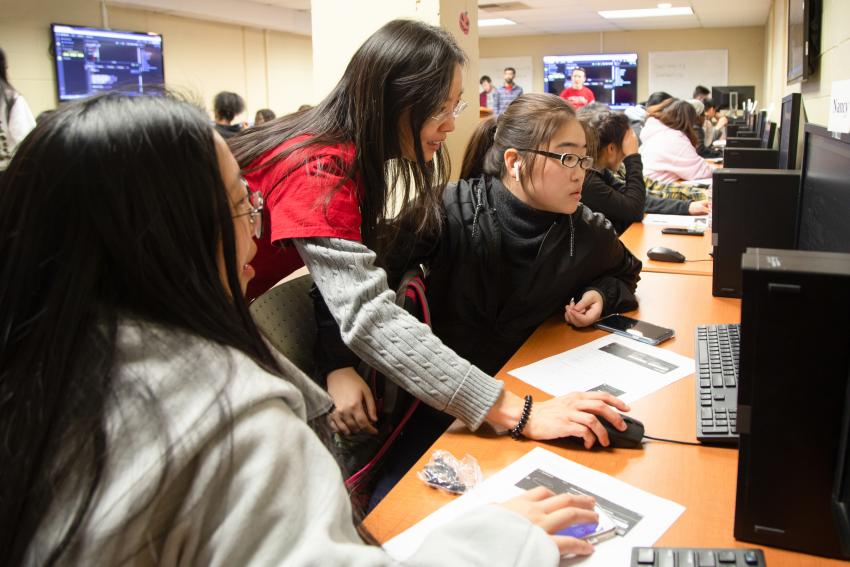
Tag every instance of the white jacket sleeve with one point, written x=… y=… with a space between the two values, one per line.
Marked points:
x=280 y=500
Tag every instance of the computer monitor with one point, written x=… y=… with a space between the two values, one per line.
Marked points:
x=723 y=96
x=824 y=192
x=789 y=131
x=611 y=76
x=93 y=60
x=761 y=120
x=768 y=134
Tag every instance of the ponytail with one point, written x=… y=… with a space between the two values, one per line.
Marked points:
x=476 y=151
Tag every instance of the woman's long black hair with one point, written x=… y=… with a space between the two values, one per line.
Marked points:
x=403 y=69
x=113 y=208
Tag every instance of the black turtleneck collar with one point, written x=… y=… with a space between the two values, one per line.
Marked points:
x=517 y=218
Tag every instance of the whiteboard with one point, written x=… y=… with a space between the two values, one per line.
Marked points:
x=678 y=72
x=494 y=67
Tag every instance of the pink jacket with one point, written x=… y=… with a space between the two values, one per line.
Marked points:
x=668 y=154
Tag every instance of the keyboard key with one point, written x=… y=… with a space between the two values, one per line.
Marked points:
x=667 y=558
x=687 y=558
x=719 y=395
x=729 y=381
x=751 y=557
x=705 y=413
x=717 y=380
x=706 y=559
x=646 y=556
x=705 y=383
x=726 y=556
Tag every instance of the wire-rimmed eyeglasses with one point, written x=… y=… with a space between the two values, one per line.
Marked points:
x=567 y=160
x=454 y=113
x=255 y=214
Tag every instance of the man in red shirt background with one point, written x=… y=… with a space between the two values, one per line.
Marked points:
x=577 y=94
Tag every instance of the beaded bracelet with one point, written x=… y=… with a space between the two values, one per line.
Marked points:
x=516 y=432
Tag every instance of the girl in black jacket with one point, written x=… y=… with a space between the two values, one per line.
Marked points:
x=623 y=200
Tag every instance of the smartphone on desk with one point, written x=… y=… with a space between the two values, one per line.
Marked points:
x=635 y=329
x=695 y=231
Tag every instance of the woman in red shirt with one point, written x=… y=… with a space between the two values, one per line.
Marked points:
x=332 y=177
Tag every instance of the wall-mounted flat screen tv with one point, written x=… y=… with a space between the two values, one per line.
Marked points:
x=804 y=24
x=611 y=76
x=92 y=60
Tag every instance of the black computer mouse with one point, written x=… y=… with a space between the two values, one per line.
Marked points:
x=631 y=437
x=664 y=254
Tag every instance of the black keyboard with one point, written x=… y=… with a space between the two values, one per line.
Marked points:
x=696 y=557
x=717 y=349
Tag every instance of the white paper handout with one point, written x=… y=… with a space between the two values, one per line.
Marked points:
x=641 y=517
x=620 y=366
x=684 y=221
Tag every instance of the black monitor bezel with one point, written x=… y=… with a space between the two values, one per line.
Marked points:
x=811 y=130
x=796 y=102
x=52 y=50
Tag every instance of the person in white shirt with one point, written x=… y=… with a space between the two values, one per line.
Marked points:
x=145 y=419
x=16 y=119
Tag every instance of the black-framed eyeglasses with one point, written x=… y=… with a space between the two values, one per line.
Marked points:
x=567 y=160
x=255 y=214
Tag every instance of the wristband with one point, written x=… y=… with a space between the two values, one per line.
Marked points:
x=516 y=432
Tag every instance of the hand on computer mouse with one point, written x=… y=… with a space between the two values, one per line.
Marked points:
x=587 y=311
x=575 y=415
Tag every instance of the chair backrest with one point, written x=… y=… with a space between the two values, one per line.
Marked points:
x=284 y=314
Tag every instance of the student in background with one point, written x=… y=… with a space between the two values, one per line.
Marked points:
x=703 y=149
x=226 y=106
x=715 y=124
x=328 y=176
x=146 y=420
x=669 y=145
x=16 y=119
x=263 y=115
x=701 y=93
x=508 y=92
x=615 y=187
x=488 y=95
x=577 y=94
x=638 y=114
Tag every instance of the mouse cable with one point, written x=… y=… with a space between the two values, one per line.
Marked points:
x=704 y=260
x=671 y=440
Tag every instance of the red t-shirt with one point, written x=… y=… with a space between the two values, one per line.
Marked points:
x=297 y=206
x=578 y=97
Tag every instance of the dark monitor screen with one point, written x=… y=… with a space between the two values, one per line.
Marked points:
x=824 y=224
x=722 y=98
x=768 y=134
x=92 y=60
x=611 y=76
x=789 y=131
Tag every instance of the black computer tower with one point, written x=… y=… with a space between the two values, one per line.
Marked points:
x=794 y=402
x=750 y=158
x=751 y=207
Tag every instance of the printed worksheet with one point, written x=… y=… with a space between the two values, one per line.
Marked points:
x=621 y=366
x=641 y=517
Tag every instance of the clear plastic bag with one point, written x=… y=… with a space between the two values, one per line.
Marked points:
x=447 y=473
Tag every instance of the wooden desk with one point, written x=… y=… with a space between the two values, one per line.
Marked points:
x=703 y=479
x=640 y=237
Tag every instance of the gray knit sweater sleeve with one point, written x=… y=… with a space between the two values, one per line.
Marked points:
x=390 y=339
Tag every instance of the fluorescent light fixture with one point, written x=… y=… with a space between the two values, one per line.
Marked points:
x=495 y=22
x=665 y=5
x=646 y=13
